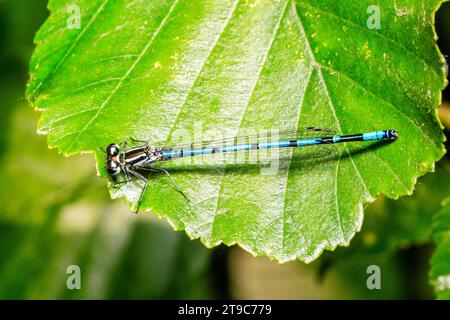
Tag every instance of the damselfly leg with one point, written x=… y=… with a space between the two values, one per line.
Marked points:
x=168 y=175
x=128 y=173
x=124 y=148
x=139 y=141
x=144 y=188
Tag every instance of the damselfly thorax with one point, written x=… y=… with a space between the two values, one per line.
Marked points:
x=118 y=160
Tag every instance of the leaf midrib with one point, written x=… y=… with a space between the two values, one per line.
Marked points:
x=283 y=12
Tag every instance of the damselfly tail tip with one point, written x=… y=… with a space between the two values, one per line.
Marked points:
x=392 y=134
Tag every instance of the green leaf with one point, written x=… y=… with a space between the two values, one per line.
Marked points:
x=152 y=69
x=440 y=262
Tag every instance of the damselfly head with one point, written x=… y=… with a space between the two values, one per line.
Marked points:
x=112 y=150
x=112 y=163
x=392 y=134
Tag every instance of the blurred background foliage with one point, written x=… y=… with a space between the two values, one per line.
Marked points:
x=55 y=212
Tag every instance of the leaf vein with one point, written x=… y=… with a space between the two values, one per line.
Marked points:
x=71 y=48
x=424 y=134
x=331 y=105
x=248 y=103
x=378 y=34
x=127 y=73
x=336 y=199
x=200 y=72
x=290 y=163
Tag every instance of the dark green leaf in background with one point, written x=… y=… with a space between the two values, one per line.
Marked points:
x=391 y=225
x=440 y=262
x=55 y=214
x=147 y=69
x=51 y=219
x=394 y=232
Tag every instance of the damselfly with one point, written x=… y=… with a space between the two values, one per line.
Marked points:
x=132 y=161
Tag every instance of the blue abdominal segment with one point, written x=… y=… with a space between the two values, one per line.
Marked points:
x=369 y=136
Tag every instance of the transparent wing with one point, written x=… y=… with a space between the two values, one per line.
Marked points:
x=261 y=136
x=261 y=157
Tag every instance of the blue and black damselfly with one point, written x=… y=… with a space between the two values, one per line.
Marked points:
x=132 y=161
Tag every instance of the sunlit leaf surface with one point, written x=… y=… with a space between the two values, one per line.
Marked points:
x=151 y=69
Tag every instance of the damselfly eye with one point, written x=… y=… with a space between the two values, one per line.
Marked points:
x=113 y=168
x=393 y=134
x=112 y=150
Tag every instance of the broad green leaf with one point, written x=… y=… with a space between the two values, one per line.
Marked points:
x=440 y=262
x=152 y=69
